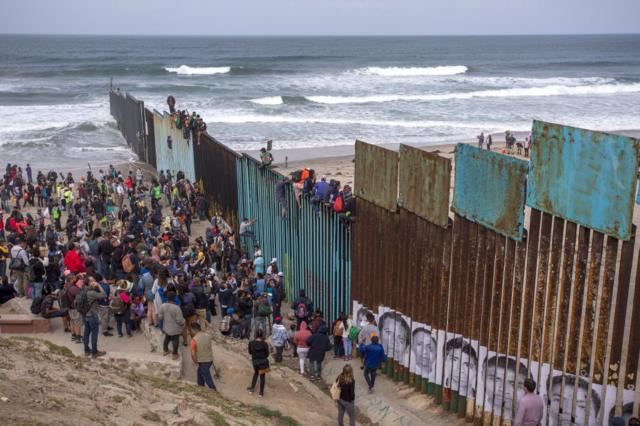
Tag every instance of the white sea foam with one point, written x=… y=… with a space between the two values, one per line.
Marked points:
x=269 y=100
x=274 y=119
x=552 y=90
x=187 y=70
x=414 y=71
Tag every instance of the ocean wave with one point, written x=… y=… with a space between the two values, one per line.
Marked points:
x=269 y=100
x=414 y=71
x=273 y=119
x=551 y=90
x=187 y=70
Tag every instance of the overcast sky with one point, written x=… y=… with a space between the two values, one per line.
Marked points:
x=319 y=17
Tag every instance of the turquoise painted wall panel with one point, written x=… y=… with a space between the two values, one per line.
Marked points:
x=313 y=250
x=584 y=176
x=177 y=157
x=489 y=189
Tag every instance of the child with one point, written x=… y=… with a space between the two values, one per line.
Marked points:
x=137 y=312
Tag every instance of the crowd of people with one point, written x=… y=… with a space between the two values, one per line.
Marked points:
x=510 y=143
x=192 y=125
x=113 y=252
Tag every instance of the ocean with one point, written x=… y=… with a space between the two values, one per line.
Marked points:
x=309 y=91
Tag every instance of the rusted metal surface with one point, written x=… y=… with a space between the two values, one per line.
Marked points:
x=529 y=290
x=541 y=290
x=425 y=180
x=490 y=189
x=584 y=176
x=150 y=138
x=130 y=116
x=376 y=175
x=216 y=170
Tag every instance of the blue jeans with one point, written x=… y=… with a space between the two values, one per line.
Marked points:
x=316 y=368
x=123 y=318
x=204 y=374
x=37 y=290
x=91 y=328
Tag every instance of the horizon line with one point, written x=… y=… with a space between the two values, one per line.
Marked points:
x=322 y=35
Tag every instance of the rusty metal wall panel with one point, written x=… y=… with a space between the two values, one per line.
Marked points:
x=584 y=176
x=528 y=297
x=624 y=281
x=376 y=175
x=425 y=180
x=216 y=170
x=490 y=189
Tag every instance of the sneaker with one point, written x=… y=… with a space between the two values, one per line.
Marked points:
x=250 y=391
x=370 y=390
x=165 y=353
x=120 y=335
x=260 y=395
x=175 y=357
x=87 y=353
x=98 y=354
x=107 y=334
x=129 y=335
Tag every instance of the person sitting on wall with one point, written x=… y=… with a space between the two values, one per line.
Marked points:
x=202 y=128
x=265 y=158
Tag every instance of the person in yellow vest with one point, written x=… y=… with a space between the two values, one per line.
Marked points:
x=202 y=355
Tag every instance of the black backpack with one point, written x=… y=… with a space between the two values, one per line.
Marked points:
x=36 y=305
x=82 y=304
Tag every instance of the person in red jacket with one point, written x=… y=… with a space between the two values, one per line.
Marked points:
x=73 y=261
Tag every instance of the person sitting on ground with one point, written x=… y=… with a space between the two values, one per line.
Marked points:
x=48 y=311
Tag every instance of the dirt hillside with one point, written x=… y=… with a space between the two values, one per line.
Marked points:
x=43 y=384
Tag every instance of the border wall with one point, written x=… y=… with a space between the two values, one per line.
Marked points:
x=312 y=250
x=503 y=271
x=473 y=300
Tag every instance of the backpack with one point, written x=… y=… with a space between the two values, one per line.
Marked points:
x=264 y=310
x=63 y=298
x=82 y=303
x=338 y=205
x=31 y=270
x=353 y=332
x=224 y=324
x=301 y=310
x=36 y=305
x=16 y=263
x=118 y=306
x=335 y=391
x=127 y=263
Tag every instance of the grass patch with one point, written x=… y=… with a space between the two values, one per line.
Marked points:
x=217 y=418
x=152 y=417
x=52 y=347
x=275 y=415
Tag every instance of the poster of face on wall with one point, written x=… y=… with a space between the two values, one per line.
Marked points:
x=460 y=363
x=423 y=351
x=395 y=335
x=360 y=314
x=406 y=360
x=502 y=380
